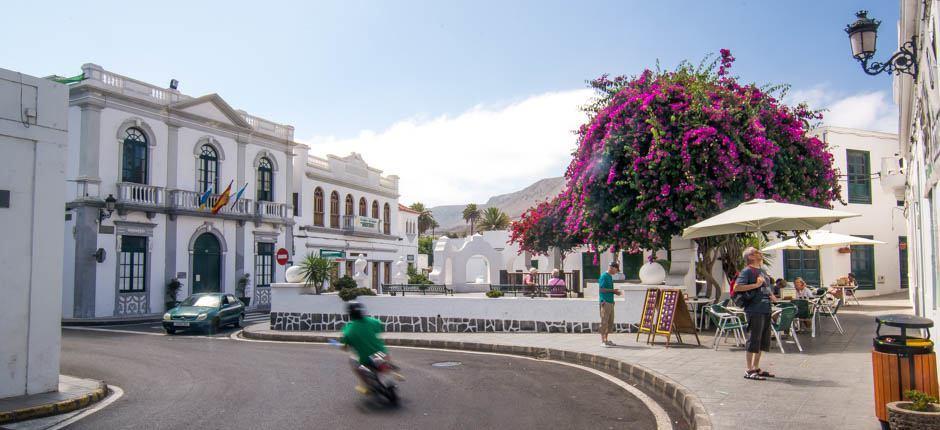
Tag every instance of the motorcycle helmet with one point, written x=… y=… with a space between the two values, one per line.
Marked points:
x=355 y=310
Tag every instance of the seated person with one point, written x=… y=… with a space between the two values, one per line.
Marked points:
x=556 y=285
x=530 y=280
x=779 y=286
x=802 y=290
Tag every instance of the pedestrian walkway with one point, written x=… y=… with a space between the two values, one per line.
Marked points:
x=829 y=385
x=73 y=394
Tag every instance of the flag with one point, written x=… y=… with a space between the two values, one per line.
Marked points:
x=223 y=198
x=238 y=195
x=204 y=198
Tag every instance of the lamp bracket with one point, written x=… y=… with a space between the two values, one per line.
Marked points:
x=903 y=61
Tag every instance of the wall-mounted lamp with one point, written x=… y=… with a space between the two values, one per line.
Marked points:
x=863 y=36
x=105 y=213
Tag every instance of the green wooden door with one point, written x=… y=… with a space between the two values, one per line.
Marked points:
x=902 y=260
x=631 y=265
x=589 y=269
x=207 y=264
x=801 y=263
x=863 y=264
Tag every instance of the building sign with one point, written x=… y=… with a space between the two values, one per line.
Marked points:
x=367 y=222
x=411 y=257
x=332 y=254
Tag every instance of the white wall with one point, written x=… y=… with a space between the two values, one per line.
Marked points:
x=32 y=169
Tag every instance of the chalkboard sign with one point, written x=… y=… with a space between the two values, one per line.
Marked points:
x=648 y=315
x=674 y=317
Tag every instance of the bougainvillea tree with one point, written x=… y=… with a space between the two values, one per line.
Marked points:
x=664 y=150
x=542 y=228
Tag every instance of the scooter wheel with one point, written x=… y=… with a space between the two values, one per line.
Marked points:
x=391 y=393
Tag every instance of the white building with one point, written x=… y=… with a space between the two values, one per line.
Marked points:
x=33 y=139
x=349 y=210
x=917 y=174
x=158 y=152
x=862 y=157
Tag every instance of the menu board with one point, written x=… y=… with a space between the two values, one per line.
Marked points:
x=648 y=315
x=674 y=317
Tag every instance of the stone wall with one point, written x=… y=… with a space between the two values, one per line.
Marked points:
x=295 y=321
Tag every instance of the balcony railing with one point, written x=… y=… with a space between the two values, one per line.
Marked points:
x=140 y=194
x=189 y=200
x=272 y=210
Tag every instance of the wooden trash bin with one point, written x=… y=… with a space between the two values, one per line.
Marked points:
x=902 y=362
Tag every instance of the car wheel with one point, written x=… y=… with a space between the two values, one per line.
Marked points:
x=170 y=330
x=239 y=321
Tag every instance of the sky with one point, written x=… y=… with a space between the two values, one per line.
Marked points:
x=461 y=99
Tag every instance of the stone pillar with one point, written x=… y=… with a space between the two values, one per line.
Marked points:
x=172 y=182
x=240 y=175
x=682 y=266
x=289 y=197
x=86 y=217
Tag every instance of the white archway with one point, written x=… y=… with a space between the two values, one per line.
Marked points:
x=451 y=259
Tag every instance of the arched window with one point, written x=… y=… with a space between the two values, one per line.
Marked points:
x=375 y=209
x=318 y=207
x=363 y=211
x=207 y=172
x=334 y=210
x=349 y=205
x=134 y=163
x=387 y=216
x=266 y=183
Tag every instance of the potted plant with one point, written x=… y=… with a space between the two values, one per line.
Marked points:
x=172 y=289
x=240 y=288
x=315 y=272
x=344 y=282
x=921 y=412
x=347 y=294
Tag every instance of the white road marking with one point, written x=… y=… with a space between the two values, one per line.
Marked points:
x=58 y=422
x=663 y=422
x=113 y=330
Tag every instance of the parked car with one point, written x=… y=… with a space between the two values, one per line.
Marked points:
x=205 y=311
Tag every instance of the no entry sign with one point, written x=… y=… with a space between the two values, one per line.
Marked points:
x=281 y=256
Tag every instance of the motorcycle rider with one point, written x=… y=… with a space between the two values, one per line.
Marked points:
x=362 y=334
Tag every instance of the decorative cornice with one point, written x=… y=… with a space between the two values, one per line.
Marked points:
x=367 y=189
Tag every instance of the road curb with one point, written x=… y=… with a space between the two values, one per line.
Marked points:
x=55 y=408
x=688 y=403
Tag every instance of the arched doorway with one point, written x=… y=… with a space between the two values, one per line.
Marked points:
x=478 y=270
x=207 y=264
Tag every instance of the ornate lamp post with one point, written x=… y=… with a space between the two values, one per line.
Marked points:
x=109 y=204
x=863 y=36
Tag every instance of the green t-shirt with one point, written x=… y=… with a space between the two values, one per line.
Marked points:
x=363 y=336
x=605 y=281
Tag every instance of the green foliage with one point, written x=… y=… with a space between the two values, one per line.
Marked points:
x=471 y=213
x=425 y=218
x=344 y=282
x=315 y=271
x=426 y=246
x=348 y=294
x=416 y=277
x=920 y=401
x=494 y=294
x=493 y=219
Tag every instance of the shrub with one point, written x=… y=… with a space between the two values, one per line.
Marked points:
x=348 y=294
x=920 y=401
x=315 y=271
x=494 y=294
x=345 y=282
x=416 y=277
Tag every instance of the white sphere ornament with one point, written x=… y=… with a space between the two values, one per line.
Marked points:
x=652 y=274
x=294 y=274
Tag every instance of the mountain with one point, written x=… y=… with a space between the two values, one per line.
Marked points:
x=450 y=217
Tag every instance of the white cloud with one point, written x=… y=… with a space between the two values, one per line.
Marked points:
x=475 y=155
x=868 y=111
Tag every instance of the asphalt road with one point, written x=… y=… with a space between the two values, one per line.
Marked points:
x=182 y=382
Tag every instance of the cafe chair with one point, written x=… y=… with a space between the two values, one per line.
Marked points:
x=725 y=322
x=829 y=307
x=786 y=320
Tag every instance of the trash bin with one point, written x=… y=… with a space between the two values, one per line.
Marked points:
x=902 y=362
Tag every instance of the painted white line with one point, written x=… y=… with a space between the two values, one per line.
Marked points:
x=663 y=422
x=116 y=393
x=113 y=330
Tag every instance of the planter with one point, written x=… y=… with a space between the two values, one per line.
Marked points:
x=171 y=305
x=245 y=300
x=652 y=274
x=900 y=418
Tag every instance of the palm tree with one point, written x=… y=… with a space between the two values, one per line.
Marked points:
x=470 y=214
x=425 y=217
x=493 y=219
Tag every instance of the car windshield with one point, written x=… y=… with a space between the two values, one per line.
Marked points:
x=206 y=301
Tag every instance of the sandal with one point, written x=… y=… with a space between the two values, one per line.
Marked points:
x=765 y=373
x=753 y=375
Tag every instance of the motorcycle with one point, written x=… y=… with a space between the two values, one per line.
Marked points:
x=380 y=378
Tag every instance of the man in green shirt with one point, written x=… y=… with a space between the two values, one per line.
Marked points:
x=606 y=292
x=362 y=334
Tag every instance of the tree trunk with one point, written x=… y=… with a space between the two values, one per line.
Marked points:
x=703 y=269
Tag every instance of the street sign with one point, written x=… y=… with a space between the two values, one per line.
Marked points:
x=282 y=256
x=332 y=254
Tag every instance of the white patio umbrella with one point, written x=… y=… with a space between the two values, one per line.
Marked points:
x=816 y=239
x=764 y=215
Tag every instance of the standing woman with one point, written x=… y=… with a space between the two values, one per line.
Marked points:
x=754 y=278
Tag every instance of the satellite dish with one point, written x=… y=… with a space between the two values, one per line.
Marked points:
x=100 y=255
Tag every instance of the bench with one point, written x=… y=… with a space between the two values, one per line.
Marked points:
x=526 y=290
x=423 y=289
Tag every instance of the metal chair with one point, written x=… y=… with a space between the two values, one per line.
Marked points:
x=786 y=318
x=725 y=322
x=850 y=292
x=828 y=307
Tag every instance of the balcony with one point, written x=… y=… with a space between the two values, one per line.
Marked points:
x=892 y=176
x=140 y=194
x=152 y=199
x=272 y=210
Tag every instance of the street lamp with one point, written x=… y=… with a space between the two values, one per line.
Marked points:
x=105 y=213
x=863 y=36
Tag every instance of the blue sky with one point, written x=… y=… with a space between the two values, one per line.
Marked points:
x=357 y=75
